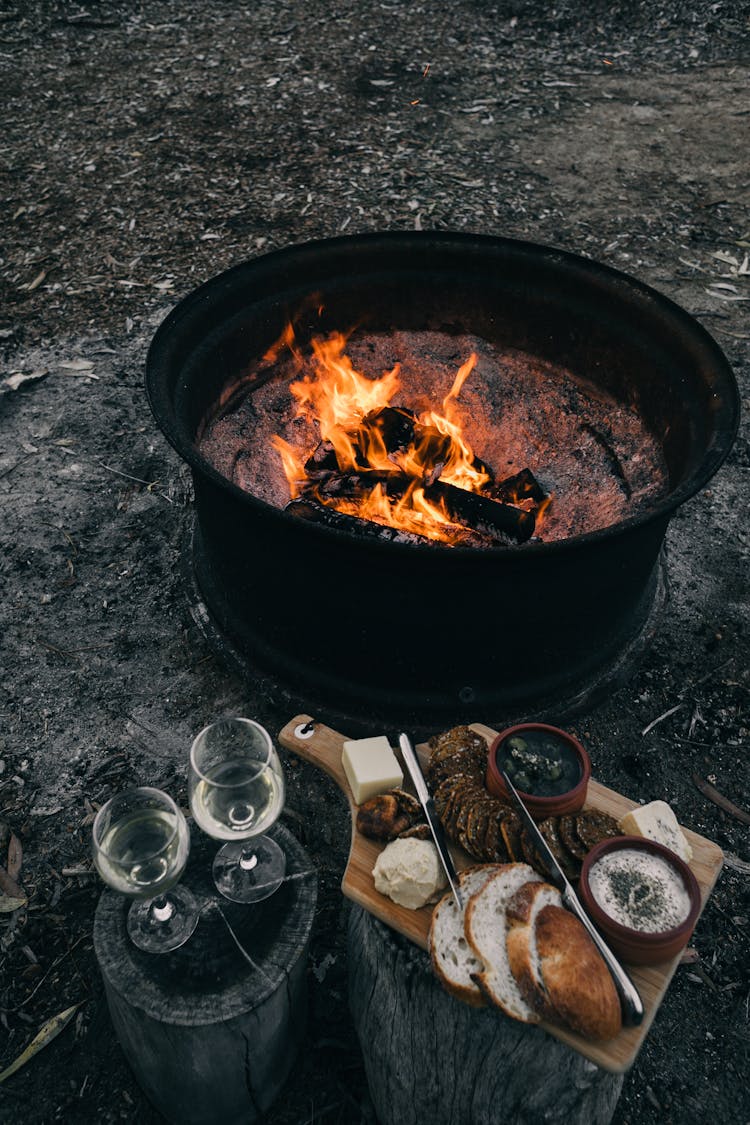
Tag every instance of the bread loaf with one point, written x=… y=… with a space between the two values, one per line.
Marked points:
x=574 y=978
x=452 y=958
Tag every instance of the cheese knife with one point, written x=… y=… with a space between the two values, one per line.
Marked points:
x=415 y=772
x=630 y=1001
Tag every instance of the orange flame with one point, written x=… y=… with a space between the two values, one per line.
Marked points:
x=344 y=403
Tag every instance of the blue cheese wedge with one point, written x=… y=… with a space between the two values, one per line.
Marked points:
x=658 y=822
x=371 y=767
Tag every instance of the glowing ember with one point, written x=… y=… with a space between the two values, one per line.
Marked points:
x=389 y=459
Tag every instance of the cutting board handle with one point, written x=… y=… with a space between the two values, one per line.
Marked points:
x=319 y=745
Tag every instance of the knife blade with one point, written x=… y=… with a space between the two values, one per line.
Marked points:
x=630 y=1000
x=415 y=772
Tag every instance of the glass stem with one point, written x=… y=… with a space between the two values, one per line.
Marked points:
x=162 y=909
x=248 y=859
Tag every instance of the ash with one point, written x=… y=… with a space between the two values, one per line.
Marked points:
x=594 y=455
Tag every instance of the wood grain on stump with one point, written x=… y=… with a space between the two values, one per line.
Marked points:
x=430 y=1058
x=210 y=1036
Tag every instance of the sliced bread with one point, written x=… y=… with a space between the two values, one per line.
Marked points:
x=452 y=959
x=523 y=955
x=486 y=929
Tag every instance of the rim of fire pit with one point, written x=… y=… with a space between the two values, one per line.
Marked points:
x=226 y=294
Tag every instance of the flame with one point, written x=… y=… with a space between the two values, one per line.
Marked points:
x=352 y=413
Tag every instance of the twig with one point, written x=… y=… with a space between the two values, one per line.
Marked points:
x=661 y=718
x=686 y=691
x=61 y=958
x=139 y=480
x=719 y=799
x=736 y=864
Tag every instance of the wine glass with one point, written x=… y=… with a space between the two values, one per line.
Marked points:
x=236 y=790
x=141 y=843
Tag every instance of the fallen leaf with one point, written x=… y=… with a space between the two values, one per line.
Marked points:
x=8 y=904
x=13 y=382
x=15 y=856
x=77 y=365
x=32 y=285
x=9 y=886
x=48 y=1031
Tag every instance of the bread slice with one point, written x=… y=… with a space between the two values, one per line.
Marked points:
x=452 y=959
x=574 y=976
x=523 y=955
x=486 y=929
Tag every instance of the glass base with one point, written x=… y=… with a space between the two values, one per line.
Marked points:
x=249 y=870
x=165 y=923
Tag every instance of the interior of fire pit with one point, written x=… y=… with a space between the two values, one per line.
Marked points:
x=593 y=457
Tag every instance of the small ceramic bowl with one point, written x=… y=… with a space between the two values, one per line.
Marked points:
x=540 y=807
x=631 y=944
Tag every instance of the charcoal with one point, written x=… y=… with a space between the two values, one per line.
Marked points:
x=521 y=486
x=396 y=426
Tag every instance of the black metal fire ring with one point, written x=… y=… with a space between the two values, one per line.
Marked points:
x=578 y=699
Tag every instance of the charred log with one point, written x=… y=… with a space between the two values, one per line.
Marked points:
x=395 y=425
x=313 y=511
x=501 y=522
x=521 y=486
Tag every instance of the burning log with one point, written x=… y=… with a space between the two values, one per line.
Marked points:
x=521 y=486
x=499 y=522
x=486 y=518
x=396 y=426
x=313 y=511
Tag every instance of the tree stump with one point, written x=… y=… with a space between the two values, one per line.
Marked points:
x=210 y=1036
x=431 y=1058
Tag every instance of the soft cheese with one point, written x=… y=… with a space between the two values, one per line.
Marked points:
x=409 y=872
x=658 y=822
x=370 y=766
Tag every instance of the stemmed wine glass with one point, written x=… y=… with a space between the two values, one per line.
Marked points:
x=236 y=791
x=141 y=843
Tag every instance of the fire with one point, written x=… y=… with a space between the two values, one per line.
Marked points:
x=387 y=457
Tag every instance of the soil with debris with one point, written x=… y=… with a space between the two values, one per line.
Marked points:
x=146 y=146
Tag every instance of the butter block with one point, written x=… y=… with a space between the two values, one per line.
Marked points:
x=657 y=821
x=370 y=766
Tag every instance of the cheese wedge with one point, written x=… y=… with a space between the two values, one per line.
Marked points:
x=370 y=766
x=658 y=822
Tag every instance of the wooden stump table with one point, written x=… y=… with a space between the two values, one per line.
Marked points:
x=430 y=1058
x=210 y=1032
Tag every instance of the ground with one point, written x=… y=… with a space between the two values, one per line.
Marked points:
x=145 y=147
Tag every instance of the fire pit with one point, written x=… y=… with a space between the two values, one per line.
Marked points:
x=521 y=602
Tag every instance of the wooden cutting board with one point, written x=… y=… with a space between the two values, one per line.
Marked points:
x=323 y=747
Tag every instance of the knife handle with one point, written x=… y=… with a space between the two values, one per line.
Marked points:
x=630 y=1000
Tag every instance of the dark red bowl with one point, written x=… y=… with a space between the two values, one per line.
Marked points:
x=633 y=945
x=540 y=807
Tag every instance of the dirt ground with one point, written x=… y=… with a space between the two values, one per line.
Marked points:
x=146 y=146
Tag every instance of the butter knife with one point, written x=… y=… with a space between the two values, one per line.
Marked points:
x=630 y=1001
x=415 y=772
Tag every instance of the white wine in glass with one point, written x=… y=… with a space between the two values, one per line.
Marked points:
x=236 y=793
x=141 y=844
